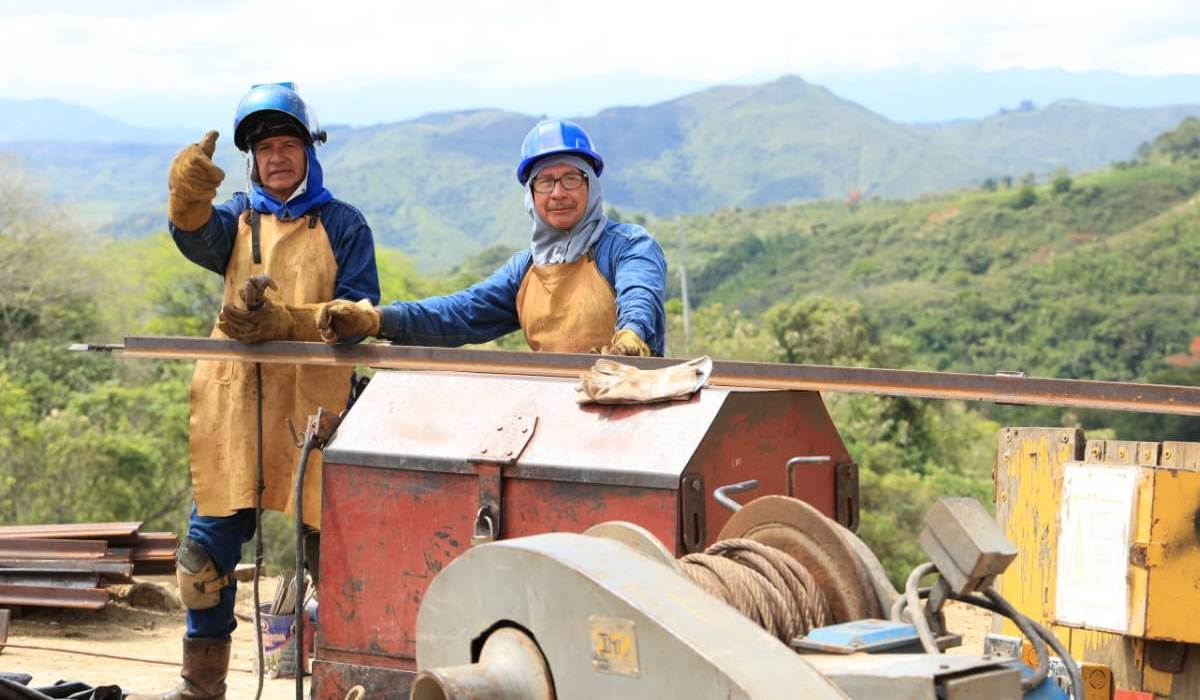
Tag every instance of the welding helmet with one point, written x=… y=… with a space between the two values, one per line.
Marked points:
x=552 y=137
x=274 y=109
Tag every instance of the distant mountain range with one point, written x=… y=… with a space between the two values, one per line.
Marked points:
x=442 y=186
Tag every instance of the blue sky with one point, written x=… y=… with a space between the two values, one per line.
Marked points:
x=161 y=63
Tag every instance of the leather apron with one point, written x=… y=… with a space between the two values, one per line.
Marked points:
x=569 y=307
x=224 y=428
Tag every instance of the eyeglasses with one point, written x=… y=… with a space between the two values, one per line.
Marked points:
x=545 y=184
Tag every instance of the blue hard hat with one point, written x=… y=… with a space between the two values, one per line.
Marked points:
x=554 y=136
x=272 y=109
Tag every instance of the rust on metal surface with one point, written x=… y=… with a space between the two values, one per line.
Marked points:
x=14 y=548
x=1000 y=388
x=113 y=569
x=121 y=554
x=49 y=578
x=44 y=596
x=113 y=532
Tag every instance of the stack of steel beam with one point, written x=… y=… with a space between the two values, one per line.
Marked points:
x=69 y=565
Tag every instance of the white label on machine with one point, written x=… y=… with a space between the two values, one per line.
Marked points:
x=1093 y=546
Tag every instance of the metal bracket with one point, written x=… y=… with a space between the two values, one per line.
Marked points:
x=721 y=493
x=845 y=494
x=791 y=470
x=691 y=511
x=501 y=446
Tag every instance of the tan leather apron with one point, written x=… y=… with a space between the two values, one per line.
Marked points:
x=223 y=439
x=566 y=308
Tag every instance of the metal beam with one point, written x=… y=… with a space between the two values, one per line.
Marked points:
x=14 y=548
x=46 y=596
x=1000 y=388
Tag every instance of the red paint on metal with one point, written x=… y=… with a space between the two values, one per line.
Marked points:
x=386 y=533
x=754 y=437
x=401 y=490
x=333 y=681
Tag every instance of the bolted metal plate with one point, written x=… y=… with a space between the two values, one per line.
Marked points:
x=505 y=442
x=812 y=539
x=635 y=537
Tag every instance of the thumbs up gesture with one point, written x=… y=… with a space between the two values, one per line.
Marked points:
x=193 y=181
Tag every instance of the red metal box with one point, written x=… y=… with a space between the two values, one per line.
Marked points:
x=427 y=461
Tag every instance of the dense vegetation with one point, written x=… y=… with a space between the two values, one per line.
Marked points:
x=1086 y=276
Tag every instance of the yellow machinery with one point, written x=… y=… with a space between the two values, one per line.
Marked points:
x=1108 y=534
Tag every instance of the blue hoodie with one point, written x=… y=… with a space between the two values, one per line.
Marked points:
x=626 y=255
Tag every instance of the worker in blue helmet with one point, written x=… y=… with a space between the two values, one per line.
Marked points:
x=585 y=284
x=314 y=248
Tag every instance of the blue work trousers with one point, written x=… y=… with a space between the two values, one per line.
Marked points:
x=222 y=538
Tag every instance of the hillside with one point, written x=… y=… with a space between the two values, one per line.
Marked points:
x=62 y=122
x=441 y=186
x=1091 y=277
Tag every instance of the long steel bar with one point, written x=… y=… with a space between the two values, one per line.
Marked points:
x=1152 y=398
x=13 y=548
x=46 y=596
x=113 y=532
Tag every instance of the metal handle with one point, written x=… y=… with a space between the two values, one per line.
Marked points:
x=721 y=493
x=791 y=470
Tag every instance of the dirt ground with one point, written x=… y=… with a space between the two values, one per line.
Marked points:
x=145 y=633
x=971 y=622
x=148 y=632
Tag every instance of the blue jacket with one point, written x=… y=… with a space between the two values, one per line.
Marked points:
x=626 y=254
x=349 y=237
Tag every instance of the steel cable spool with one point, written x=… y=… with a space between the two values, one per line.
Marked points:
x=786 y=566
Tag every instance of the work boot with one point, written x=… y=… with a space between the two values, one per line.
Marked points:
x=205 y=663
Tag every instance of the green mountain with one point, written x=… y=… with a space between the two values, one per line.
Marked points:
x=58 y=121
x=1094 y=276
x=442 y=186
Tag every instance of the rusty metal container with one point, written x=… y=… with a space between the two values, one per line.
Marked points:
x=427 y=462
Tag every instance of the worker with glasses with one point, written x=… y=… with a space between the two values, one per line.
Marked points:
x=585 y=284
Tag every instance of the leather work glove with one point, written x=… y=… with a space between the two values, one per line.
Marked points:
x=625 y=342
x=268 y=319
x=193 y=181
x=609 y=381
x=341 y=319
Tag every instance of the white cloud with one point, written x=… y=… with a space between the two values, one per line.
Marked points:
x=80 y=51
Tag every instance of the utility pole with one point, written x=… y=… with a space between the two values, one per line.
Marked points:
x=683 y=290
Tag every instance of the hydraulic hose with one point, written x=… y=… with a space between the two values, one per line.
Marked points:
x=298 y=496
x=912 y=598
x=317 y=434
x=998 y=604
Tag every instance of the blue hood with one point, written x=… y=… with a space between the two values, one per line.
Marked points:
x=314 y=196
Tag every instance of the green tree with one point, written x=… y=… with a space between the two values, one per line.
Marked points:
x=1061 y=180
x=1026 y=197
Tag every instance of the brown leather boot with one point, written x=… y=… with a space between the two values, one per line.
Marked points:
x=205 y=663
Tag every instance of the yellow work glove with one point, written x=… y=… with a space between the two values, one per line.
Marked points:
x=271 y=321
x=193 y=182
x=625 y=342
x=345 y=319
x=609 y=381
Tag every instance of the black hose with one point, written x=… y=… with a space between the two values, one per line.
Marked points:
x=258 y=540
